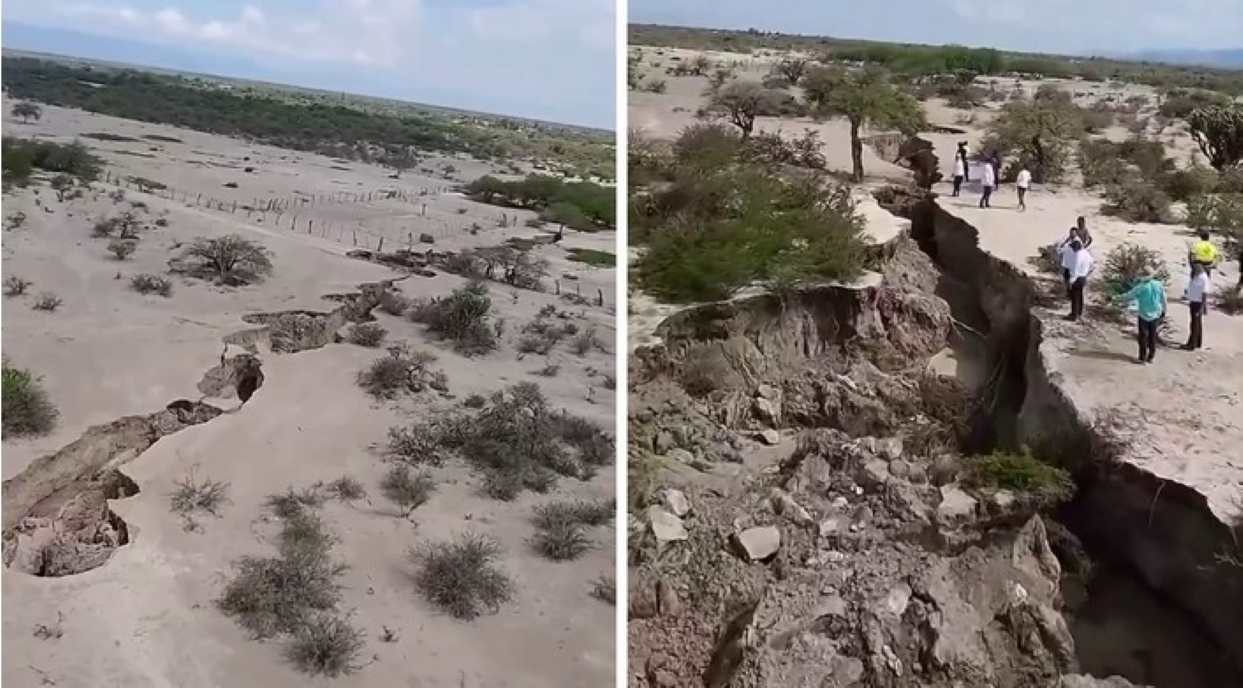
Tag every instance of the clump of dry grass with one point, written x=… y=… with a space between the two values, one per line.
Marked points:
x=408 y=491
x=461 y=575
x=192 y=496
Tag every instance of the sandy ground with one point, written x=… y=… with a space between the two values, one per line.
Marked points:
x=1190 y=404
x=146 y=617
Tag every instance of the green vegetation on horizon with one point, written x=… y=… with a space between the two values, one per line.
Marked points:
x=291 y=119
x=915 y=59
x=584 y=206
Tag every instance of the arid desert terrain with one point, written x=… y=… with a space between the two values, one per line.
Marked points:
x=129 y=522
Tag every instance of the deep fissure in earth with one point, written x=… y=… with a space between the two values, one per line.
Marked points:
x=1122 y=624
x=57 y=521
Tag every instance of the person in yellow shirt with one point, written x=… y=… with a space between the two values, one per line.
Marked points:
x=1204 y=253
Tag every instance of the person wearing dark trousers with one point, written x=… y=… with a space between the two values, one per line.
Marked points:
x=987 y=181
x=1149 y=294
x=1082 y=267
x=1066 y=258
x=1197 y=301
x=960 y=174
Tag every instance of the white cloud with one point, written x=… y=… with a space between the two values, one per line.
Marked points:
x=362 y=31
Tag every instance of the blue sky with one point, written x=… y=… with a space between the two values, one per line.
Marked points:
x=1068 y=26
x=548 y=59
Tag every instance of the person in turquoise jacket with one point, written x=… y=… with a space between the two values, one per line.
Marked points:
x=1149 y=294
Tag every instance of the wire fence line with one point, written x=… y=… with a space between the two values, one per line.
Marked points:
x=298 y=213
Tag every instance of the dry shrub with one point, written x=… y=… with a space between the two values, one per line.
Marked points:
x=1138 y=201
x=346 y=489
x=393 y=303
x=325 y=644
x=1127 y=262
x=561 y=541
x=604 y=589
x=402 y=370
x=586 y=341
x=274 y=595
x=370 y=335
x=147 y=283
x=16 y=286
x=461 y=576
x=192 y=496
x=516 y=442
x=47 y=301
x=122 y=248
x=406 y=490
x=293 y=503
x=1230 y=300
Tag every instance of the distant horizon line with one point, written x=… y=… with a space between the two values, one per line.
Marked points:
x=154 y=68
x=1122 y=55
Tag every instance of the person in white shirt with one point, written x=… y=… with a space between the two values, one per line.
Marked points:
x=1197 y=301
x=1023 y=183
x=988 y=180
x=1066 y=258
x=960 y=173
x=1081 y=266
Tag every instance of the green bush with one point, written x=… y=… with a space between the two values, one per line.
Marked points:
x=1021 y=473
x=1190 y=182
x=1138 y=201
x=461 y=575
x=26 y=407
x=709 y=234
x=1127 y=262
x=462 y=317
x=21 y=156
x=602 y=259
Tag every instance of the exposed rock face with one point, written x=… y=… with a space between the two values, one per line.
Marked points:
x=893 y=568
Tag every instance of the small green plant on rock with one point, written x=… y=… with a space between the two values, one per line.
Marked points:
x=1021 y=473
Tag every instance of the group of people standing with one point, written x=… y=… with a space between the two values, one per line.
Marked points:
x=990 y=175
x=1148 y=292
